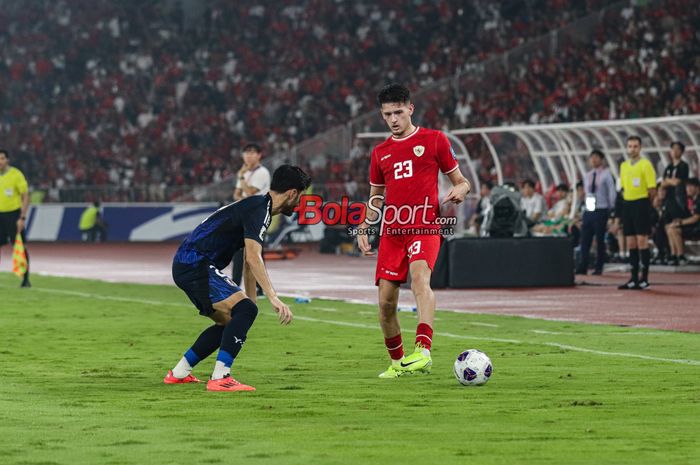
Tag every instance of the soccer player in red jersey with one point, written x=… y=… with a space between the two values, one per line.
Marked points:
x=404 y=169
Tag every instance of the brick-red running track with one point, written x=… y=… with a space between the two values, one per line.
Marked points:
x=673 y=302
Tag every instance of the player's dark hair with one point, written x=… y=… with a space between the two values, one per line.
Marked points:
x=680 y=145
x=597 y=152
x=488 y=184
x=394 y=93
x=7 y=154
x=288 y=177
x=563 y=187
x=251 y=148
x=529 y=182
x=579 y=184
x=637 y=138
x=693 y=182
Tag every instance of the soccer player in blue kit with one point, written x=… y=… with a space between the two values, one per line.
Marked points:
x=197 y=270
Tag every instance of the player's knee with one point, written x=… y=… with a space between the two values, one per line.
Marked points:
x=387 y=308
x=420 y=283
x=247 y=307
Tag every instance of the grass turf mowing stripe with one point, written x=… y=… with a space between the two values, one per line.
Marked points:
x=367 y=326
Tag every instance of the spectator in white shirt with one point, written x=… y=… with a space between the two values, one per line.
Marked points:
x=532 y=202
x=253 y=178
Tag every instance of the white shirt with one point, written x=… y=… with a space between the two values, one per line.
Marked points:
x=560 y=209
x=533 y=205
x=258 y=178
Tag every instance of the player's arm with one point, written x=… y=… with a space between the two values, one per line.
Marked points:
x=650 y=175
x=249 y=282
x=376 y=201
x=460 y=187
x=24 y=196
x=253 y=260
x=374 y=204
x=447 y=162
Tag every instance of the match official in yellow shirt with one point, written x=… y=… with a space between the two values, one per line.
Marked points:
x=14 y=204
x=638 y=180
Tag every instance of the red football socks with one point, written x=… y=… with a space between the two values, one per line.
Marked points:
x=424 y=335
x=394 y=346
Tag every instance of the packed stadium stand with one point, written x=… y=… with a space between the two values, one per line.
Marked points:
x=148 y=104
x=147 y=107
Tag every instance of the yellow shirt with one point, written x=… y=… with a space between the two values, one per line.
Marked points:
x=637 y=179
x=12 y=186
x=89 y=218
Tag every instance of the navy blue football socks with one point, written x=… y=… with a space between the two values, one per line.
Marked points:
x=205 y=345
x=234 y=335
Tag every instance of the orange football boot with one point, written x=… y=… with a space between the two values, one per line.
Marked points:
x=170 y=379
x=227 y=384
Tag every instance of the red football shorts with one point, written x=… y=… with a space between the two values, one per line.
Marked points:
x=397 y=252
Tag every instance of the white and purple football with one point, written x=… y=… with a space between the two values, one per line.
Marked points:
x=473 y=368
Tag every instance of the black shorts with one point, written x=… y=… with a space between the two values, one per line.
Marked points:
x=636 y=217
x=8 y=226
x=204 y=284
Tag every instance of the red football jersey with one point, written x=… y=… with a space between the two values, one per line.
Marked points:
x=408 y=169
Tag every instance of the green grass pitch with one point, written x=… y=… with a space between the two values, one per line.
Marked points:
x=83 y=362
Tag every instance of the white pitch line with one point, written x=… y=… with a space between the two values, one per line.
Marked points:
x=88 y=295
x=516 y=341
x=622 y=354
x=323 y=309
x=411 y=314
x=602 y=333
x=336 y=323
x=485 y=325
x=375 y=327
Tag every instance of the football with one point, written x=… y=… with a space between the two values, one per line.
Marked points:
x=473 y=368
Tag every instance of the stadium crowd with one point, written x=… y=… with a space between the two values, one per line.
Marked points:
x=644 y=61
x=123 y=94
